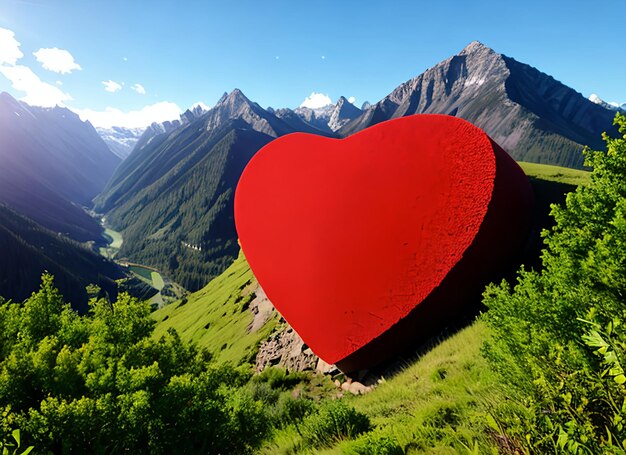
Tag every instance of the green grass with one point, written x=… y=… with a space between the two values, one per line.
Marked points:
x=436 y=404
x=157 y=281
x=555 y=173
x=439 y=403
x=217 y=317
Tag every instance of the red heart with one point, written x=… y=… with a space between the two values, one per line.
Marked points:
x=350 y=237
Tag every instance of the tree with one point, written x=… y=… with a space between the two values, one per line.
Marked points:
x=559 y=337
x=100 y=383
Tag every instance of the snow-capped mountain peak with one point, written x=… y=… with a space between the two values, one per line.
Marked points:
x=612 y=105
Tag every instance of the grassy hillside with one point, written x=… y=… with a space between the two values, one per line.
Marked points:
x=217 y=317
x=444 y=400
x=565 y=175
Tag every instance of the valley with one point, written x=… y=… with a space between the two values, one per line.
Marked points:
x=114 y=242
x=148 y=275
x=128 y=305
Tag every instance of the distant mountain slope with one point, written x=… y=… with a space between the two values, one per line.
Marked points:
x=173 y=196
x=326 y=120
x=29 y=249
x=51 y=161
x=120 y=140
x=531 y=115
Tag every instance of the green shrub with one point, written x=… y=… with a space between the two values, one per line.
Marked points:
x=100 y=383
x=371 y=444
x=263 y=392
x=290 y=410
x=558 y=336
x=333 y=422
x=279 y=378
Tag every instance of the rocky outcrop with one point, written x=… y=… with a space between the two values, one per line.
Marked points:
x=285 y=348
x=261 y=308
x=343 y=112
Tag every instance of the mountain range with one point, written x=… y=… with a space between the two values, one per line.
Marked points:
x=52 y=164
x=120 y=140
x=327 y=119
x=611 y=106
x=530 y=114
x=28 y=249
x=172 y=197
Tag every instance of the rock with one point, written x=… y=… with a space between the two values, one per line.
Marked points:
x=356 y=388
x=326 y=368
x=261 y=308
x=285 y=348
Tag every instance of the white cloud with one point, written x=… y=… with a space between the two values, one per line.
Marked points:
x=59 y=82
x=56 y=60
x=10 y=49
x=38 y=93
x=315 y=100
x=351 y=100
x=111 y=86
x=158 y=112
x=139 y=89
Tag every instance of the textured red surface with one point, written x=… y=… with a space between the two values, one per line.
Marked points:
x=349 y=237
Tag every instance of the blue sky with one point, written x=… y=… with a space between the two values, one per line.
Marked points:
x=279 y=52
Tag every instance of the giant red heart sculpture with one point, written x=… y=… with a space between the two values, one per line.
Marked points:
x=367 y=243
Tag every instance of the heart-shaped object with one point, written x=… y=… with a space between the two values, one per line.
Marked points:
x=367 y=243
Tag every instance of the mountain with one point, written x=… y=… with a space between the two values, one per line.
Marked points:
x=318 y=117
x=194 y=112
x=120 y=140
x=611 y=106
x=298 y=123
x=530 y=114
x=326 y=119
x=52 y=163
x=342 y=113
x=29 y=249
x=173 y=196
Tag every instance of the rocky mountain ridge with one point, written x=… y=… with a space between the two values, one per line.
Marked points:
x=530 y=114
x=177 y=189
x=327 y=119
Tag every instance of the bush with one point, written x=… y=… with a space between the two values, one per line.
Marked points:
x=333 y=422
x=373 y=445
x=291 y=410
x=559 y=337
x=101 y=384
x=279 y=378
